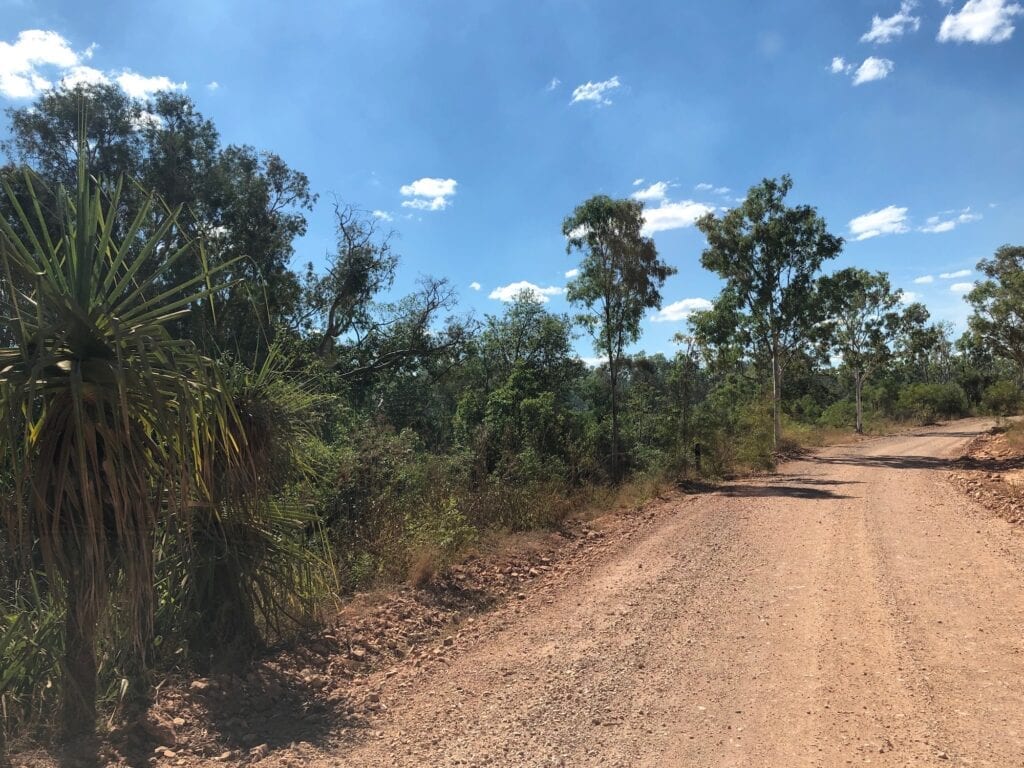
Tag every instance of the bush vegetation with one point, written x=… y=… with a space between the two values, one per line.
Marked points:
x=288 y=436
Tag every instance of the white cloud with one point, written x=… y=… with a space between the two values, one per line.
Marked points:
x=909 y=297
x=213 y=85
x=887 y=30
x=890 y=220
x=673 y=215
x=429 y=194
x=83 y=75
x=595 y=91
x=704 y=187
x=638 y=182
x=512 y=290
x=872 y=69
x=961 y=287
x=475 y=285
x=39 y=57
x=594 y=362
x=937 y=224
x=555 y=82
x=657 y=191
x=954 y=275
x=924 y=279
x=572 y=273
x=21 y=76
x=980 y=21
x=383 y=216
x=140 y=87
x=678 y=311
x=839 y=66
x=934 y=225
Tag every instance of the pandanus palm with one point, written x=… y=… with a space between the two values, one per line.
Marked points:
x=107 y=422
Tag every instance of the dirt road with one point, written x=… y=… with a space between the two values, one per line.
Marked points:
x=853 y=609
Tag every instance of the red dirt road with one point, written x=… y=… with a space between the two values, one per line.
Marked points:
x=854 y=609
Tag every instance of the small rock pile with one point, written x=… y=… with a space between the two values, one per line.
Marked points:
x=992 y=473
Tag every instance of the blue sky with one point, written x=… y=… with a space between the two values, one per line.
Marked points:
x=477 y=126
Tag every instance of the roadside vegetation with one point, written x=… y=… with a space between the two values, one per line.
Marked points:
x=202 y=447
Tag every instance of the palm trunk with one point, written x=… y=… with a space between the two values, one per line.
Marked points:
x=78 y=716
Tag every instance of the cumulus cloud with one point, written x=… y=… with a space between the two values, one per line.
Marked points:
x=512 y=290
x=429 y=194
x=678 y=311
x=980 y=21
x=657 y=191
x=213 y=85
x=909 y=297
x=924 y=279
x=475 y=285
x=954 y=275
x=872 y=69
x=888 y=29
x=23 y=62
x=673 y=215
x=572 y=273
x=141 y=87
x=30 y=65
x=383 y=216
x=839 y=66
x=890 y=220
x=961 y=287
x=595 y=92
x=638 y=182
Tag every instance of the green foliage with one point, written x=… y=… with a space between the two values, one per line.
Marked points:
x=768 y=254
x=840 y=414
x=1003 y=398
x=926 y=403
x=997 y=300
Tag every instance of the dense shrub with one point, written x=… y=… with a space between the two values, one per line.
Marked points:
x=926 y=403
x=842 y=413
x=1004 y=398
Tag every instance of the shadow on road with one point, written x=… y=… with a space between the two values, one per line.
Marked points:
x=784 y=491
x=890 y=462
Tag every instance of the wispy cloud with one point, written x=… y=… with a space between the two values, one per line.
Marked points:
x=980 y=21
x=213 y=85
x=909 y=297
x=512 y=290
x=638 y=182
x=955 y=275
x=924 y=279
x=570 y=274
x=595 y=92
x=706 y=187
x=936 y=224
x=678 y=311
x=555 y=82
x=961 y=287
x=383 y=216
x=475 y=285
x=429 y=194
x=891 y=220
x=888 y=29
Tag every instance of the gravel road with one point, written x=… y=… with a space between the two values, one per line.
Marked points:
x=853 y=609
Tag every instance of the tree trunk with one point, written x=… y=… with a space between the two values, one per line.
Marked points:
x=78 y=715
x=614 y=376
x=858 y=386
x=776 y=399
